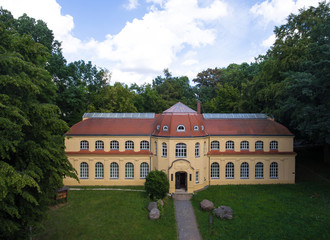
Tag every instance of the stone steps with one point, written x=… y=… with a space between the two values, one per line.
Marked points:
x=182 y=196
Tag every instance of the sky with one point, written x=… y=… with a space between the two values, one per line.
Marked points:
x=137 y=39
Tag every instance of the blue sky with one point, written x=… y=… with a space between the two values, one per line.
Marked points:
x=136 y=39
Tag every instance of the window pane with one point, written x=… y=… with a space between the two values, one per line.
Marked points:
x=99 y=145
x=164 y=150
x=215 y=170
x=114 y=170
x=245 y=170
x=99 y=170
x=273 y=145
x=83 y=170
x=259 y=170
x=144 y=145
x=129 y=170
x=215 y=145
x=84 y=145
x=244 y=145
x=129 y=145
x=259 y=145
x=181 y=150
x=229 y=145
x=230 y=170
x=273 y=170
x=197 y=150
x=144 y=170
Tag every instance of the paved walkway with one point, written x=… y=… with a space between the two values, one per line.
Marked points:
x=185 y=219
x=107 y=189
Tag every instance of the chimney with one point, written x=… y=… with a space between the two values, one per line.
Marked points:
x=198 y=107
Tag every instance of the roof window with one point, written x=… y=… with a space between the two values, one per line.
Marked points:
x=196 y=128
x=180 y=128
x=158 y=127
x=165 y=128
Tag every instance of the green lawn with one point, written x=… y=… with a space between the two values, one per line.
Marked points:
x=300 y=211
x=91 y=214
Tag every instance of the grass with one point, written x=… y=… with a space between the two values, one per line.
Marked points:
x=108 y=215
x=300 y=211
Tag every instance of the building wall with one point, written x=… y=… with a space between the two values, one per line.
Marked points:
x=190 y=164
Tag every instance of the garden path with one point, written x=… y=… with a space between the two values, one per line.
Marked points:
x=185 y=219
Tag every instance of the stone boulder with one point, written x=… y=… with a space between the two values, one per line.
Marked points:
x=206 y=205
x=224 y=212
x=154 y=214
x=152 y=205
x=160 y=202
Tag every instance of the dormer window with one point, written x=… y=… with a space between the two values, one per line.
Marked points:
x=202 y=127
x=196 y=128
x=180 y=128
x=158 y=127
x=165 y=128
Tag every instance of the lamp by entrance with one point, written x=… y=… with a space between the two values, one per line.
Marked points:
x=181 y=180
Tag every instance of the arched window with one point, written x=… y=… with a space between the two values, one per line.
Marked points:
x=164 y=150
x=114 y=170
x=197 y=150
x=180 y=128
x=84 y=145
x=215 y=170
x=129 y=170
x=165 y=128
x=215 y=145
x=259 y=145
x=99 y=145
x=244 y=145
x=129 y=145
x=244 y=170
x=155 y=148
x=196 y=128
x=181 y=150
x=144 y=145
x=99 y=170
x=229 y=145
x=83 y=170
x=273 y=145
x=230 y=170
x=273 y=170
x=259 y=170
x=114 y=145
x=144 y=170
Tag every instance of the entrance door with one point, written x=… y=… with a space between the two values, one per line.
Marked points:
x=181 y=180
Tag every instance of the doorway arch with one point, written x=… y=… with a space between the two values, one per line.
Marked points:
x=181 y=180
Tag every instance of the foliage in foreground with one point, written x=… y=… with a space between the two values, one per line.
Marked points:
x=156 y=184
x=108 y=215
x=32 y=157
x=299 y=211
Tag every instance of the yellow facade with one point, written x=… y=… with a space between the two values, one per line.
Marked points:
x=184 y=167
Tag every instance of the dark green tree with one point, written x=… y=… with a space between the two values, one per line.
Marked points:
x=156 y=185
x=32 y=156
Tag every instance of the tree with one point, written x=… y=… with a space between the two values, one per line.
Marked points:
x=32 y=156
x=156 y=185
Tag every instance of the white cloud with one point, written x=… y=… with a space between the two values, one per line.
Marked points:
x=278 y=10
x=144 y=46
x=132 y=4
x=269 y=41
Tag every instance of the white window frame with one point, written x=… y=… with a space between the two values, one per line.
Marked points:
x=197 y=150
x=197 y=177
x=99 y=145
x=144 y=145
x=215 y=145
x=144 y=170
x=84 y=145
x=180 y=128
x=196 y=128
x=273 y=145
x=244 y=145
x=259 y=145
x=164 y=150
x=259 y=170
x=202 y=127
x=129 y=170
x=180 y=150
x=165 y=128
x=129 y=145
x=230 y=170
x=158 y=127
x=215 y=170
x=114 y=145
x=230 y=145
x=114 y=170
x=84 y=170
x=99 y=170
x=273 y=170
x=244 y=170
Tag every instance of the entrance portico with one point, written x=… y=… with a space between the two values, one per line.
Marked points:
x=180 y=173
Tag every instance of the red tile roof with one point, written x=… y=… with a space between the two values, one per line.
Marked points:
x=179 y=114
x=112 y=152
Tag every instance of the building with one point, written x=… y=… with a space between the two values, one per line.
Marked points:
x=193 y=149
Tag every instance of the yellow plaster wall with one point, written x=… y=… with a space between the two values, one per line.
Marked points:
x=190 y=164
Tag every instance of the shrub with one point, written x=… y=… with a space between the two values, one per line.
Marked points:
x=156 y=185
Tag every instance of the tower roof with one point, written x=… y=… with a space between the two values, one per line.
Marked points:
x=179 y=108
